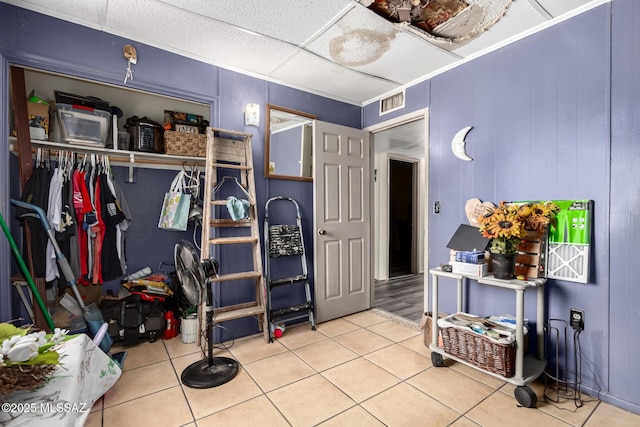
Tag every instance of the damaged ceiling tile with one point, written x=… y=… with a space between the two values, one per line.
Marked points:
x=444 y=22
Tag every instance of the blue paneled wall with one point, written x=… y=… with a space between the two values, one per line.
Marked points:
x=624 y=293
x=540 y=111
x=555 y=116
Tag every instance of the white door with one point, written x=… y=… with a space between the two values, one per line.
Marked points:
x=342 y=252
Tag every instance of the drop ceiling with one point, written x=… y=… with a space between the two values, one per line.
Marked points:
x=341 y=49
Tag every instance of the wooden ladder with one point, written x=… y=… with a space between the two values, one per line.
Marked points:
x=229 y=152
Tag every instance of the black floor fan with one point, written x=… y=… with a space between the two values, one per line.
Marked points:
x=194 y=276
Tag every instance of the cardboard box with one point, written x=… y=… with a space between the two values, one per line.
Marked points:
x=475 y=270
x=38 y=115
x=473 y=257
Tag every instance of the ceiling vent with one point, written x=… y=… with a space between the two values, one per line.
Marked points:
x=392 y=103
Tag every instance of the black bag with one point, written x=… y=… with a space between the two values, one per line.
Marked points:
x=133 y=318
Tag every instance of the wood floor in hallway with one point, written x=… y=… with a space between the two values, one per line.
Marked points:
x=402 y=296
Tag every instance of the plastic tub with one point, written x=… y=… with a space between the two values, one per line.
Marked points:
x=83 y=125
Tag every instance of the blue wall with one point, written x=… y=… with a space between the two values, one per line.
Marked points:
x=555 y=116
x=31 y=39
x=540 y=111
x=624 y=293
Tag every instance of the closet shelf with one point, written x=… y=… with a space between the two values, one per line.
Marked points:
x=132 y=159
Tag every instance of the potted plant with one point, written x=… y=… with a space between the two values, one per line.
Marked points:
x=507 y=225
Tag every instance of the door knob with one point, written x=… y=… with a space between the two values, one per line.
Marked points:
x=322 y=232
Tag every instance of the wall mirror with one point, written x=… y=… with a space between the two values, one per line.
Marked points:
x=289 y=153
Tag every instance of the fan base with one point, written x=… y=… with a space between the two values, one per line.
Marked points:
x=202 y=375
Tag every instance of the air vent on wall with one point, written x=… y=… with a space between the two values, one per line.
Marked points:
x=392 y=103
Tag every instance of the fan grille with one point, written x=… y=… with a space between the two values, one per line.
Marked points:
x=189 y=271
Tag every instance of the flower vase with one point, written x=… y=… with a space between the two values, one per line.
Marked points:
x=503 y=265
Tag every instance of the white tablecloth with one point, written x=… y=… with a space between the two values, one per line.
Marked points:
x=85 y=373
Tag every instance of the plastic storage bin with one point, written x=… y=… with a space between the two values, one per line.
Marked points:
x=83 y=125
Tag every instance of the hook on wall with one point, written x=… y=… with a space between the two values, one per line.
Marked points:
x=131 y=55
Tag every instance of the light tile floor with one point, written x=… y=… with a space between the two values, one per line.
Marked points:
x=362 y=370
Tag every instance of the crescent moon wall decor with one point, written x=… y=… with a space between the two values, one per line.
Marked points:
x=458 y=144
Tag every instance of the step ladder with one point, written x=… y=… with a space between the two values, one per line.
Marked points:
x=229 y=155
x=286 y=240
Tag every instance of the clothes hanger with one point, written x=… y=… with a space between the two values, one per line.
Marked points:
x=192 y=180
x=234 y=179
x=107 y=166
x=83 y=166
x=71 y=162
x=100 y=164
x=66 y=161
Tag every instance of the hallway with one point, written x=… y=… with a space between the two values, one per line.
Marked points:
x=402 y=296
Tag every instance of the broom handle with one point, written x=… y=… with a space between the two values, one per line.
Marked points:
x=27 y=275
x=62 y=260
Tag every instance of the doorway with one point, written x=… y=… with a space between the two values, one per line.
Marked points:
x=402 y=176
x=400 y=245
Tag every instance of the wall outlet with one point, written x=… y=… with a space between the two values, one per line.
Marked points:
x=436 y=207
x=577 y=319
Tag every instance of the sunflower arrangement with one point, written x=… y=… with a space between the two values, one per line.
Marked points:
x=508 y=224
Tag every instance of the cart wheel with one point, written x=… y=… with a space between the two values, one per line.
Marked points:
x=525 y=396
x=436 y=360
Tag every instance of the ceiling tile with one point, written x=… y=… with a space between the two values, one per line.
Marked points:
x=520 y=16
x=289 y=20
x=88 y=12
x=367 y=43
x=304 y=70
x=197 y=36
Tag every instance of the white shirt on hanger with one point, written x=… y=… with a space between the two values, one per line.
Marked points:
x=54 y=214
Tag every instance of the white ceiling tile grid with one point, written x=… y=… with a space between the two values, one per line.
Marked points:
x=335 y=48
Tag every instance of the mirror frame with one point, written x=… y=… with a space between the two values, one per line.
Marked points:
x=267 y=153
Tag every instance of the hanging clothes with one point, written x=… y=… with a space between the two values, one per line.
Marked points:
x=83 y=205
x=67 y=228
x=97 y=232
x=54 y=213
x=91 y=220
x=122 y=227
x=111 y=215
x=36 y=192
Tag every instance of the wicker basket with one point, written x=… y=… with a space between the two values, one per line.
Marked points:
x=480 y=351
x=185 y=144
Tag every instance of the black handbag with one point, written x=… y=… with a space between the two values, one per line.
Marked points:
x=133 y=318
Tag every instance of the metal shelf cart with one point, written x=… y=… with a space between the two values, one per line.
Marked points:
x=527 y=367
